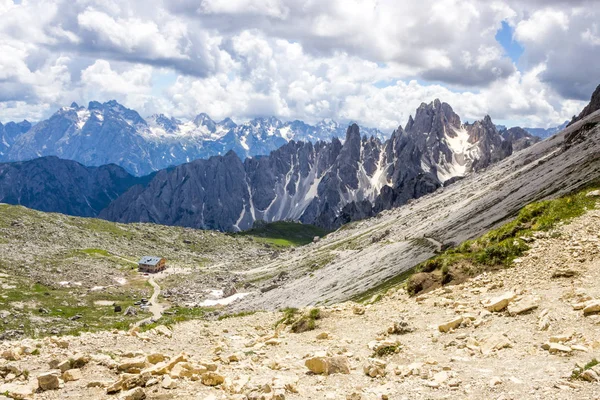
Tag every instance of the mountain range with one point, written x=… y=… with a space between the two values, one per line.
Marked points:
x=105 y=133
x=326 y=183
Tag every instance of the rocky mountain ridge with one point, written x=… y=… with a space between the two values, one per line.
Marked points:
x=55 y=185
x=326 y=184
x=105 y=133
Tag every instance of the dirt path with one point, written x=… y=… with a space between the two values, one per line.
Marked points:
x=156 y=308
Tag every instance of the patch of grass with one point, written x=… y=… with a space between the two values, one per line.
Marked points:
x=177 y=315
x=236 y=315
x=37 y=310
x=300 y=322
x=284 y=233
x=576 y=374
x=289 y=316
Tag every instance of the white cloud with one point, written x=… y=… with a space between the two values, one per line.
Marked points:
x=372 y=61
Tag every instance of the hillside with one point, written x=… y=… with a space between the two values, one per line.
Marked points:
x=55 y=267
x=528 y=331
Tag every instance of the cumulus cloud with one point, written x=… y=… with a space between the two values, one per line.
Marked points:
x=371 y=61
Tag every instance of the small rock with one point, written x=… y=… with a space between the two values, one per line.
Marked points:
x=168 y=382
x=591 y=307
x=71 y=375
x=133 y=394
x=593 y=193
x=452 y=324
x=358 y=310
x=523 y=305
x=374 y=368
x=328 y=365
x=323 y=335
x=49 y=381
x=212 y=379
x=499 y=303
x=495 y=381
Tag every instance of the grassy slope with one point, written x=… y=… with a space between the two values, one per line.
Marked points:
x=39 y=250
x=284 y=234
x=496 y=249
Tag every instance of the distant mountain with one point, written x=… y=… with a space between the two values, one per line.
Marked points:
x=326 y=184
x=546 y=133
x=108 y=132
x=9 y=133
x=520 y=138
x=64 y=186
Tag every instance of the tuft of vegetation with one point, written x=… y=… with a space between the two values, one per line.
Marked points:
x=289 y=316
x=236 y=315
x=577 y=372
x=176 y=315
x=284 y=233
x=387 y=350
x=300 y=322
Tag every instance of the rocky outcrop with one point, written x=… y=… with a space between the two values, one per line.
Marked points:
x=55 y=185
x=520 y=138
x=593 y=106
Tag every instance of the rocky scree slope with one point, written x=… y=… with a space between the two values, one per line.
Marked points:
x=363 y=254
x=527 y=332
x=326 y=183
x=104 y=133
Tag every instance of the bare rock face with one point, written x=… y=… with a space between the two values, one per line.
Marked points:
x=592 y=107
x=325 y=184
x=520 y=138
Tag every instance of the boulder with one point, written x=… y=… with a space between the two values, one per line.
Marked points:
x=49 y=381
x=133 y=365
x=13 y=354
x=163 y=330
x=591 y=307
x=71 y=375
x=499 y=303
x=133 y=394
x=212 y=379
x=155 y=358
x=328 y=365
x=524 y=305
x=493 y=343
x=555 y=348
x=593 y=193
x=452 y=324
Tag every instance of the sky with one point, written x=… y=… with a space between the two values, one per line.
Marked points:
x=531 y=63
